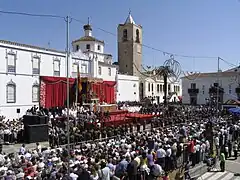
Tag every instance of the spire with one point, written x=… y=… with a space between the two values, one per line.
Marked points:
x=129 y=19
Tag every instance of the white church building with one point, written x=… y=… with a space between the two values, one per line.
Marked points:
x=22 y=65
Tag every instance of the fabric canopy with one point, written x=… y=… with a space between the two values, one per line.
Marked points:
x=234 y=110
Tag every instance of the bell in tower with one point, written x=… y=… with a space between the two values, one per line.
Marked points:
x=130 y=47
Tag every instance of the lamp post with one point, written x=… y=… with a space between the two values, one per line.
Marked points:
x=68 y=88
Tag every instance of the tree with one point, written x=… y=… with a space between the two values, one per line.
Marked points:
x=165 y=72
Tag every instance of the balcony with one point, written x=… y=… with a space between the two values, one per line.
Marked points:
x=237 y=90
x=193 y=91
x=215 y=90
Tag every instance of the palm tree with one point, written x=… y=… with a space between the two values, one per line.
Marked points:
x=165 y=72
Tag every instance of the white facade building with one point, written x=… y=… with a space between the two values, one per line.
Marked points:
x=22 y=65
x=152 y=88
x=100 y=62
x=127 y=88
x=199 y=90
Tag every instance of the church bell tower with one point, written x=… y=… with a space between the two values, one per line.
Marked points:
x=130 y=47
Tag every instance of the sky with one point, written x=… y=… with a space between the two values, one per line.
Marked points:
x=186 y=27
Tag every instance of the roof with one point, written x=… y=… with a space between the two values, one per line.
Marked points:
x=88 y=38
x=212 y=74
x=30 y=46
x=129 y=19
x=232 y=101
x=106 y=64
x=233 y=69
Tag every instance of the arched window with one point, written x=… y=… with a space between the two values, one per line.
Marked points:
x=137 y=36
x=77 y=47
x=125 y=35
x=35 y=92
x=11 y=92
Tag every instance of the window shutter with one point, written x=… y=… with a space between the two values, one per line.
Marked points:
x=56 y=65
x=35 y=63
x=11 y=60
x=10 y=93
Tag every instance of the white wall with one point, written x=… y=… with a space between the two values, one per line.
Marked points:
x=105 y=75
x=226 y=82
x=160 y=93
x=24 y=79
x=23 y=95
x=93 y=46
x=127 y=88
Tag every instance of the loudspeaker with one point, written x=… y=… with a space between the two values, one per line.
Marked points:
x=18 y=110
x=34 y=120
x=43 y=119
x=36 y=133
x=30 y=120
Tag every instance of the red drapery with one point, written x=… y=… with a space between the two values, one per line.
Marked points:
x=105 y=91
x=53 y=91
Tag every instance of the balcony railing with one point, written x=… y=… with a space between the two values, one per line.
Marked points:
x=193 y=91
x=215 y=90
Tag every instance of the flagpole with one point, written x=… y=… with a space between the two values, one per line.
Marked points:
x=76 y=101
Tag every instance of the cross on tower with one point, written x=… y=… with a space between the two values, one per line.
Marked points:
x=88 y=20
x=130 y=11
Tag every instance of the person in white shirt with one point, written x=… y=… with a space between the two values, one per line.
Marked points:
x=73 y=175
x=22 y=149
x=161 y=154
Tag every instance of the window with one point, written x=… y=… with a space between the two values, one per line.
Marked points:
x=11 y=92
x=193 y=85
x=77 y=47
x=230 y=89
x=125 y=35
x=74 y=70
x=84 y=69
x=88 y=46
x=56 y=67
x=99 y=70
x=137 y=36
x=99 y=47
x=161 y=87
x=169 y=88
x=149 y=88
x=158 y=88
x=152 y=87
x=35 y=92
x=11 y=62
x=36 y=65
x=109 y=71
x=203 y=89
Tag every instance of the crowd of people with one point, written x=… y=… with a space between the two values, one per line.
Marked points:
x=182 y=136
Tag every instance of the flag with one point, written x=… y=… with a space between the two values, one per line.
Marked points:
x=79 y=86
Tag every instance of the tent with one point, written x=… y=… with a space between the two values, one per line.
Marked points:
x=234 y=110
